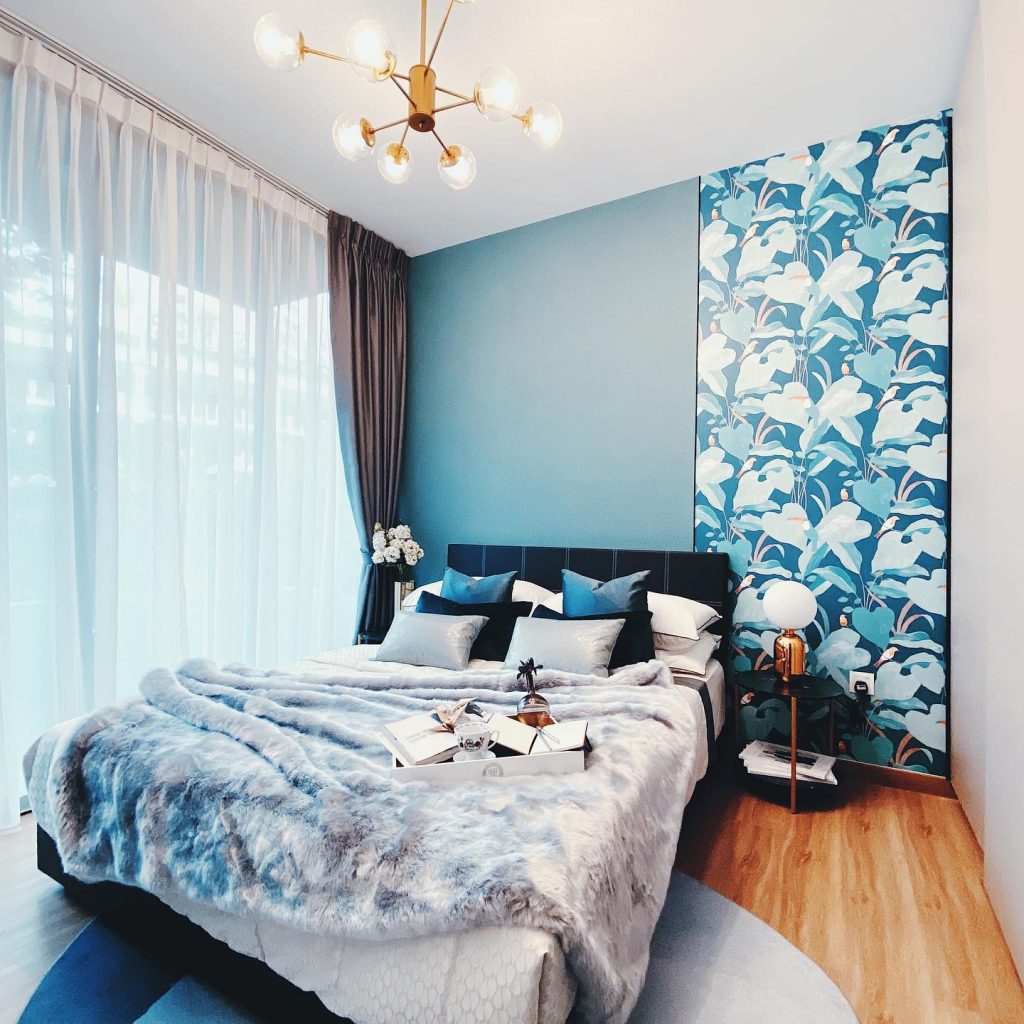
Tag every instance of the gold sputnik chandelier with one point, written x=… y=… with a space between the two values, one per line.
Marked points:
x=370 y=53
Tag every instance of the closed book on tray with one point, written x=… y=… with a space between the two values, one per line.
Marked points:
x=420 y=739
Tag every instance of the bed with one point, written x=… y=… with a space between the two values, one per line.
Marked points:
x=525 y=971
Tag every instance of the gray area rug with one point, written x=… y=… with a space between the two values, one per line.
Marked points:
x=712 y=962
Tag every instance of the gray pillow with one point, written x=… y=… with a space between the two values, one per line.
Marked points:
x=582 y=646
x=438 y=641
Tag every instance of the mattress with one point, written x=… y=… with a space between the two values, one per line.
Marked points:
x=517 y=975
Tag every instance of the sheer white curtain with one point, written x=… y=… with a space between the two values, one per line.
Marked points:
x=170 y=477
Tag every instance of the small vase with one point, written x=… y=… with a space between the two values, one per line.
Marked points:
x=403 y=588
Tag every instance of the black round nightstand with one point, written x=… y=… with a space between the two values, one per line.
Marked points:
x=800 y=688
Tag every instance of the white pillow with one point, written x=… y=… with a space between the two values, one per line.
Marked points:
x=677 y=622
x=521 y=591
x=678 y=617
x=693 y=662
x=565 y=645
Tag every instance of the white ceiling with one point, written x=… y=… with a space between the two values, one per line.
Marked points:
x=651 y=92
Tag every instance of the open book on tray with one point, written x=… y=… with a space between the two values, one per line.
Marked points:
x=773 y=759
x=422 y=739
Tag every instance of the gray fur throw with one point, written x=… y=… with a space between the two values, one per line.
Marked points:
x=268 y=794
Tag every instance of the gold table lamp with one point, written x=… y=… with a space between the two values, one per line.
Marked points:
x=790 y=606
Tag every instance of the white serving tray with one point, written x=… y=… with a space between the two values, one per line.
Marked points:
x=449 y=773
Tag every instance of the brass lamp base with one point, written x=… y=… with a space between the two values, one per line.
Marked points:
x=790 y=655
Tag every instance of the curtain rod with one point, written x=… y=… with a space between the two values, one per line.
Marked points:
x=16 y=24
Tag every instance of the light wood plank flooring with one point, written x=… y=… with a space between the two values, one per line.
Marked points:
x=37 y=921
x=884 y=892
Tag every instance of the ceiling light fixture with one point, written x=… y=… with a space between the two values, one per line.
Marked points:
x=370 y=53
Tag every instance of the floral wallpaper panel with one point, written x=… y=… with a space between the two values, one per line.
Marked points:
x=823 y=421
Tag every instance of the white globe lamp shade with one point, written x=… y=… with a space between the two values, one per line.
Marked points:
x=457 y=167
x=543 y=125
x=496 y=93
x=789 y=605
x=278 y=42
x=353 y=136
x=395 y=164
x=370 y=50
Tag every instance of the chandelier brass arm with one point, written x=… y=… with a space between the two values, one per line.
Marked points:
x=440 y=31
x=370 y=53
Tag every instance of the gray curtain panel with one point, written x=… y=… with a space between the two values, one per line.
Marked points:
x=369 y=285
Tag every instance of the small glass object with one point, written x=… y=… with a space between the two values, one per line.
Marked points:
x=350 y=134
x=543 y=124
x=457 y=167
x=278 y=42
x=533 y=708
x=496 y=93
x=371 y=50
x=395 y=164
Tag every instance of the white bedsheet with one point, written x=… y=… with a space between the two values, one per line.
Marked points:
x=501 y=975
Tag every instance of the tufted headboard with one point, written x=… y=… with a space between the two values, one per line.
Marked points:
x=701 y=576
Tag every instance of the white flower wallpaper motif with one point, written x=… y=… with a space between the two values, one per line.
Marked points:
x=822 y=417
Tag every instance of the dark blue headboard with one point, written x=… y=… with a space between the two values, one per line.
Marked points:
x=698 y=575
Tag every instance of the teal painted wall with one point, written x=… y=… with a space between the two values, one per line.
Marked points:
x=552 y=382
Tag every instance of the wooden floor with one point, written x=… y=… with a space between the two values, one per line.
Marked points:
x=884 y=892
x=37 y=921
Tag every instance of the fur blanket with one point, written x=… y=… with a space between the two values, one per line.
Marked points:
x=268 y=794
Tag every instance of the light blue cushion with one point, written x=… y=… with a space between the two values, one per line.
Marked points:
x=463 y=589
x=583 y=596
x=439 y=641
x=583 y=646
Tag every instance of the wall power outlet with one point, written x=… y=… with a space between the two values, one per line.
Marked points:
x=864 y=679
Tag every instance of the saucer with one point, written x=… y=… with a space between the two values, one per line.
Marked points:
x=465 y=755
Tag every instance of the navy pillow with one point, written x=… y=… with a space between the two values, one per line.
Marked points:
x=457 y=586
x=584 y=596
x=494 y=639
x=635 y=643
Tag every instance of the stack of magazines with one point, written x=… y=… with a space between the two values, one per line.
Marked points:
x=773 y=760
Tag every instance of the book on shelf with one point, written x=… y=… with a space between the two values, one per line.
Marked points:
x=773 y=760
x=422 y=739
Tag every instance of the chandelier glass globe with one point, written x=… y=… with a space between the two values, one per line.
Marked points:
x=371 y=50
x=278 y=42
x=395 y=164
x=350 y=136
x=543 y=125
x=457 y=167
x=496 y=93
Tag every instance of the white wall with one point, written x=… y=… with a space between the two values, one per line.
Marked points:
x=988 y=461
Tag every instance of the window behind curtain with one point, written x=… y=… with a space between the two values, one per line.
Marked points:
x=170 y=478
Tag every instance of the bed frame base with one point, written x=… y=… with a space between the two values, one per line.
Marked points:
x=156 y=929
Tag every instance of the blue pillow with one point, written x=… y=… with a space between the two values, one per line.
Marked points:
x=584 y=596
x=463 y=589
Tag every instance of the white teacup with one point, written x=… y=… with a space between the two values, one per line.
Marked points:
x=475 y=739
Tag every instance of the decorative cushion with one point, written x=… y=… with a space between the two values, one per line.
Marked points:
x=581 y=646
x=583 y=596
x=678 y=619
x=457 y=586
x=693 y=662
x=635 y=642
x=492 y=643
x=439 y=641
